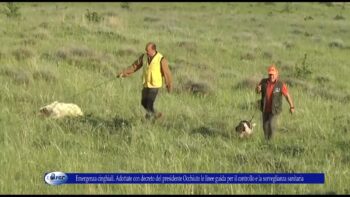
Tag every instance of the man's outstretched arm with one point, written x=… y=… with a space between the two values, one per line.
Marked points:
x=133 y=68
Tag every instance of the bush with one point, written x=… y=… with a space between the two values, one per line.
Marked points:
x=248 y=56
x=287 y=8
x=126 y=52
x=248 y=83
x=303 y=70
x=44 y=25
x=21 y=77
x=18 y=76
x=83 y=56
x=93 y=16
x=338 y=43
x=45 y=74
x=125 y=5
x=29 y=41
x=267 y=55
x=339 y=17
x=151 y=19
x=22 y=53
x=188 y=45
x=197 y=88
x=292 y=82
x=11 y=10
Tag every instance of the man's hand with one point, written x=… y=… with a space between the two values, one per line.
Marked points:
x=291 y=110
x=121 y=75
x=258 y=89
x=169 y=88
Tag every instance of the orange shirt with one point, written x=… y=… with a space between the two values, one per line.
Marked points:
x=269 y=89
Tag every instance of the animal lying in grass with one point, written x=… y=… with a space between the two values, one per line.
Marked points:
x=245 y=128
x=59 y=110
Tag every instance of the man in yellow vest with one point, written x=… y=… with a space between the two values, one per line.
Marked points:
x=156 y=67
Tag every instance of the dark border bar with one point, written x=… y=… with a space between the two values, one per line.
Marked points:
x=192 y=178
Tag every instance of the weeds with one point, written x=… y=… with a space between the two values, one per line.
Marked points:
x=125 y=5
x=45 y=74
x=339 y=17
x=303 y=71
x=23 y=53
x=12 y=10
x=93 y=16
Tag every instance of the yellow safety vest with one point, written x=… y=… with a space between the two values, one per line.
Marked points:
x=152 y=76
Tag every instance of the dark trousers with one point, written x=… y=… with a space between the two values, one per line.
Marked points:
x=269 y=124
x=148 y=97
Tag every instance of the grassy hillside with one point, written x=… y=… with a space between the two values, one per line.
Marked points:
x=52 y=51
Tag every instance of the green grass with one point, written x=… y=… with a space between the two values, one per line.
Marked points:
x=51 y=52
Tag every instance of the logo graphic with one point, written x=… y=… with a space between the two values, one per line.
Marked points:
x=56 y=178
x=277 y=90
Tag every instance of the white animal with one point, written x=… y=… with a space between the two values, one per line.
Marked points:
x=245 y=128
x=59 y=110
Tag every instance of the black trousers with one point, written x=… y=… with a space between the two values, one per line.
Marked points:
x=148 y=97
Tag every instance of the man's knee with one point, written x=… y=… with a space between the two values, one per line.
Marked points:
x=274 y=123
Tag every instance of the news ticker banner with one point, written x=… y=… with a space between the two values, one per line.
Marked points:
x=58 y=178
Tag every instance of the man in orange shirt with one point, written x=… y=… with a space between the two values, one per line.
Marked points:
x=271 y=90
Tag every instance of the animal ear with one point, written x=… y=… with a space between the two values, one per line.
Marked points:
x=237 y=128
x=43 y=110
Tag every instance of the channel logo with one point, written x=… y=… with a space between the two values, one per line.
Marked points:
x=56 y=178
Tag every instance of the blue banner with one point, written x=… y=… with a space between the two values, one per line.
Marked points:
x=57 y=178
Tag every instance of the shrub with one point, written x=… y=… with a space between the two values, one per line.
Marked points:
x=339 y=17
x=336 y=44
x=248 y=83
x=248 y=56
x=45 y=74
x=22 y=53
x=93 y=16
x=303 y=70
x=197 y=88
x=12 y=10
x=19 y=76
x=125 y=5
